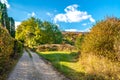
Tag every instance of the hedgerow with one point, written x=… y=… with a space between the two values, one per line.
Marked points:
x=8 y=55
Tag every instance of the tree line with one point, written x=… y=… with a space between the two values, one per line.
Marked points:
x=6 y=21
x=33 y=32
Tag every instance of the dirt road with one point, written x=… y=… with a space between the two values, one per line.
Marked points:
x=34 y=68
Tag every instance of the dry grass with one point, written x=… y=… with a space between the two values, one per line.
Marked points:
x=101 y=67
x=88 y=67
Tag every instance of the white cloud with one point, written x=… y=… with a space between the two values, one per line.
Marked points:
x=32 y=14
x=84 y=24
x=72 y=14
x=5 y=2
x=71 y=30
x=92 y=20
x=49 y=14
x=76 y=30
x=86 y=30
x=16 y=24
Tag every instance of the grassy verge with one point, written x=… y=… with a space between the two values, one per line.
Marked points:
x=87 y=67
x=65 y=62
x=28 y=52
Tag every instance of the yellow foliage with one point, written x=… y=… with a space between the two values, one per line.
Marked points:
x=103 y=39
x=100 y=66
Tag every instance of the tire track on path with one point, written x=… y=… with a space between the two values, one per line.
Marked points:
x=34 y=69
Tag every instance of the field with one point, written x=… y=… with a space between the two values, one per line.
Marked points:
x=87 y=68
x=65 y=62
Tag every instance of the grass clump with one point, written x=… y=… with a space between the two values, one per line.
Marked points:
x=100 y=66
x=28 y=52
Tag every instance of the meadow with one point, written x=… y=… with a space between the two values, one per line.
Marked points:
x=87 y=67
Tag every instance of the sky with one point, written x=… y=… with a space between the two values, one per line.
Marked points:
x=69 y=15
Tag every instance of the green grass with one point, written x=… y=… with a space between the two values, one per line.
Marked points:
x=28 y=52
x=65 y=62
x=59 y=56
x=87 y=67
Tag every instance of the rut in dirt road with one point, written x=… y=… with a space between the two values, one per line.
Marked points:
x=34 y=69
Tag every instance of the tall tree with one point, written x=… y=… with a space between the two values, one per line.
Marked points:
x=5 y=21
x=34 y=32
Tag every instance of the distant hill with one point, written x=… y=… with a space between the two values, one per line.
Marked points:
x=70 y=37
x=75 y=33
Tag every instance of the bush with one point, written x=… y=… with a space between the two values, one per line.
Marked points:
x=103 y=39
x=10 y=50
x=6 y=49
x=18 y=49
x=56 y=47
x=70 y=37
x=79 y=41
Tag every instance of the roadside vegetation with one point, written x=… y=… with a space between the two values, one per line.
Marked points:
x=10 y=48
x=82 y=68
x=90 y=55
x=98 y=57
x=93 y=55
x=100 y=52
x=65 y=62
x=9 y=54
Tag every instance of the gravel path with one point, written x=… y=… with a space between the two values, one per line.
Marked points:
x=34 y=69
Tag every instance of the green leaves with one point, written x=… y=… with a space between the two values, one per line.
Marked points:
x=79 y=41
x=34 y=32
x=6 y=21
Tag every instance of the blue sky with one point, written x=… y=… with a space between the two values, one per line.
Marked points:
x=70 y=15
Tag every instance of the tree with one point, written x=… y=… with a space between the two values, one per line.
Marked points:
x=26 y=31
x=34 y=32
x=5 y=21
x=50 y=33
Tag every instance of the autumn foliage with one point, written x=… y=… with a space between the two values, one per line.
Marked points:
x=6 y=48
x=103 y=39
x=9 y=51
